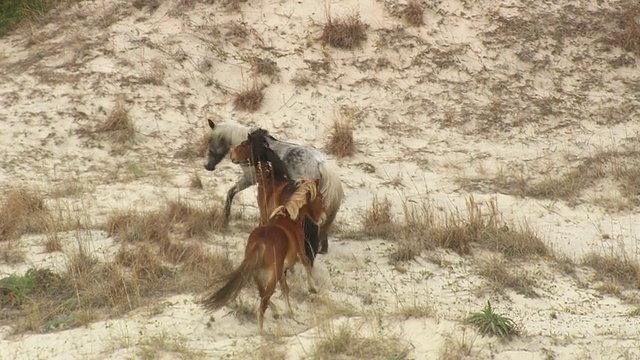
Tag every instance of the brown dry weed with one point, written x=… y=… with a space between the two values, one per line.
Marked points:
x=345 y=33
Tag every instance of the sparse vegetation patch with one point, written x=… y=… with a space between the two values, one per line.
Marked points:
x=13 y=12
x=503 y=274
x=345 y=341
x=482 y=225
x=118 y=124
x=249 y=100
x=413 y=13
x=345 y=33
x=618 y=269
x=150 y=263
x=155 y=226
x=265 y=66
x=23 y=211
x=620 y=165
x=340 y=142
x=378 y=220
x=628 y=37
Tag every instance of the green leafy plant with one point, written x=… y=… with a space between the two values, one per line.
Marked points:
x=490 y=323
x=15 y=289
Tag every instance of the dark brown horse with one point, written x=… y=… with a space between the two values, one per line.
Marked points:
x=273 y=248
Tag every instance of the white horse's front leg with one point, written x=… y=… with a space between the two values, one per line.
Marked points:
x=242 y=183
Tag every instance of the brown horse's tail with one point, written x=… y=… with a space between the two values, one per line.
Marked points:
x=235 y=281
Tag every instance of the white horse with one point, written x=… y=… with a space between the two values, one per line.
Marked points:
x=301 y=161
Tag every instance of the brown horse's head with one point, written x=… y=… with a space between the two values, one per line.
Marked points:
x=241 y=154
x=256 y=149
x=252 y=150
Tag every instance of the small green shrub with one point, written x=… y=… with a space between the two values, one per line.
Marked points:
x=490 y=323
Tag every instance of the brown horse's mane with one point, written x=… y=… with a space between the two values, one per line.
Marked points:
x=262 y=152
x=298 y=199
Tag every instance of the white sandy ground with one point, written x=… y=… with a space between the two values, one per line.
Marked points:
x=66 y=77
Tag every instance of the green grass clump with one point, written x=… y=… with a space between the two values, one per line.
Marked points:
x=13 y=12
x=16 y=289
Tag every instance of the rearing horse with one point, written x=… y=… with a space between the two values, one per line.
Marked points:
x=273 y=248
x=301 y=161
x=274 y=183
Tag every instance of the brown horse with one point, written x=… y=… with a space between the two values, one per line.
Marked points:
x=273 y=248
x=274 y=183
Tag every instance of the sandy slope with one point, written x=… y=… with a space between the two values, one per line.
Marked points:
x=480 y=89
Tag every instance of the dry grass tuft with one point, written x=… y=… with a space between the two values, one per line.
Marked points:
x=455 y=348
x=614 y=269
x=486 y=228
x=23 y=211
x=163 y=344
x=500 y=276
x=346 y=341
x=340 y=142
x=90 y=289
x=416 y=310
x=233 y=5
x=194 y=221
x=70 y=187
x=629 y=36
x=11 y=253
x=53 y=242
x=152 y=5
x=130 y=226
x=344 y=33
x=421 y=230
x=412 y=236
x=413 y=13
x=249 y=100
x=265 y=66
x=143 y=262
x=620 y=166
x=378 y=220
x=118 y=123
x=155 y=226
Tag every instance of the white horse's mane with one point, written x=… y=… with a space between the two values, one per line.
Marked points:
x=232 y=131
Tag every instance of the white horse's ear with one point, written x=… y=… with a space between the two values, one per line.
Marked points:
x=211 y=124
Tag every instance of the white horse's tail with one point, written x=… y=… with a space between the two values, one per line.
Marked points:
x=332 y=193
